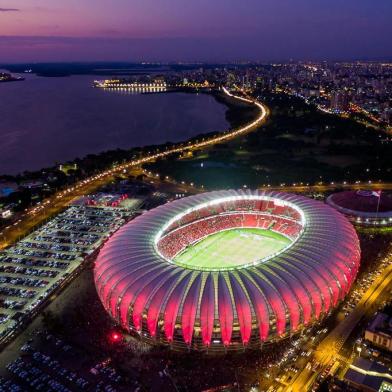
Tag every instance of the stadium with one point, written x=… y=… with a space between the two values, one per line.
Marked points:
x=367 y=208
x=227 y=270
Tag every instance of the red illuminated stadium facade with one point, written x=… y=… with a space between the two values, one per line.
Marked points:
x=220 y=308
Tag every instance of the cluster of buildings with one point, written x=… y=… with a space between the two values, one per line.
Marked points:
x=370 y=371
x=7 y=77
x=17 y=196
x=379 y=332
x=22 y=191
x=360 y=87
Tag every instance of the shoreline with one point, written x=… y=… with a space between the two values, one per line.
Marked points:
x=217 y=95
x=97 y=174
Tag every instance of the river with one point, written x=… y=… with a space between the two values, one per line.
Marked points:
x=49 y=120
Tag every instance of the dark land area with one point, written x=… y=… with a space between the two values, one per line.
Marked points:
x=298 y=144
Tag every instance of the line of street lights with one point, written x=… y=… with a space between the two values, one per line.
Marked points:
x=151 y=157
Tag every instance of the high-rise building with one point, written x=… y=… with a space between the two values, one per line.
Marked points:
x=339 y=101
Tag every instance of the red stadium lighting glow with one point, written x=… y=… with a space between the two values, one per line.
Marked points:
x=115 y=337
x=218 y=301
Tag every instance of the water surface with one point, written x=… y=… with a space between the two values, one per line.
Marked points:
x=44 y=121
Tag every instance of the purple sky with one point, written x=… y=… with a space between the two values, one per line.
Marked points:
x=208 y=30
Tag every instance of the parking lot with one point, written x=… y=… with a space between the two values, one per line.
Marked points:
x=48 y=363
x=36 y=266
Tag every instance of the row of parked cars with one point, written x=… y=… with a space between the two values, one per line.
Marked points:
x=22 y=281
x=35 y=266
x=18 y=270
x=34 y=377
x=63 y=237
x=54 y=247
x=46 y=363
x=22 y=251
x=30 y=262
x=12 y=304
x=14 y=292
x=3 y=318
x=9 y=386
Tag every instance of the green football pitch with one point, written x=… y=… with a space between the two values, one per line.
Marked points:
x=232 y=248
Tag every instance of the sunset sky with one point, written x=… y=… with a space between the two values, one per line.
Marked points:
x=211 y=30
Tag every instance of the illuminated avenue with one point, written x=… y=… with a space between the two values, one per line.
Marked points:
x=327 y=352
x=324 y=355
x=195 y=196
x=63 y=199
x=60 y=200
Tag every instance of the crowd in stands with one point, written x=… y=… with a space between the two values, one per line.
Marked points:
x=266 y=206
x=197 y=225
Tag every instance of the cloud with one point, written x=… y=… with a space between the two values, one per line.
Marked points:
x=9 y=9
x=14 y=49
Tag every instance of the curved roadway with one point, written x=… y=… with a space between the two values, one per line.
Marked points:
x=57 y=202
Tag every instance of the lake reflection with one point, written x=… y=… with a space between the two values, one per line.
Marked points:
x=44 y=121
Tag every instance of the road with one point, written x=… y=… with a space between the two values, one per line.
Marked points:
x=56 y=203
x=332 y=344
x=329 y=348
x=53 y=205
x=332 y=186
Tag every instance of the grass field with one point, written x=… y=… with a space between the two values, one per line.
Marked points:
x=232 y=248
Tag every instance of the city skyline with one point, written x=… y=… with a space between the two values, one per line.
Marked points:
x=202 y=31
x=195 y=196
